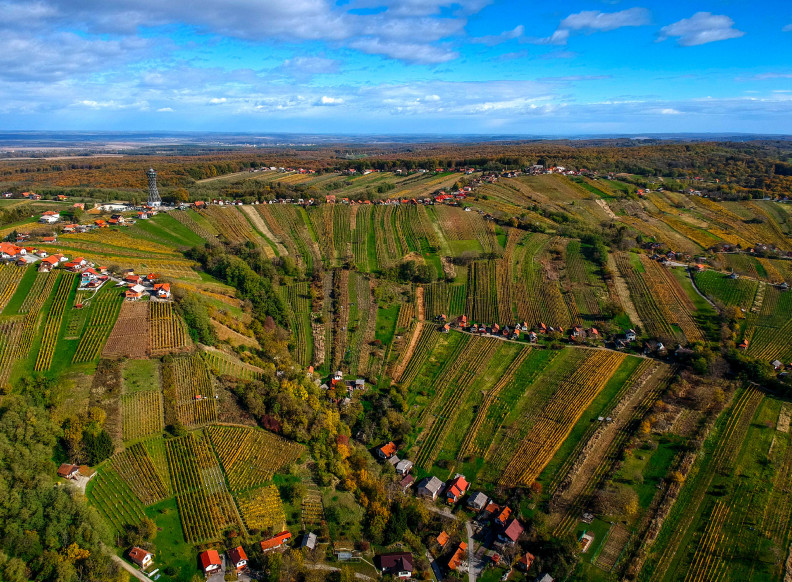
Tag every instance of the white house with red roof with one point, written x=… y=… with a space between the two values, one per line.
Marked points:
x=456 y=488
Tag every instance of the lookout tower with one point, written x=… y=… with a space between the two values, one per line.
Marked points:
x=153 y=197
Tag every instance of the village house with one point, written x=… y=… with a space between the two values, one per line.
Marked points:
x=456 y=488
x=238 y=558
x=134 y=293
x=11 y=251
x=210 y=561
x=141 y=557
x=309 y=540
x=430 y=487
x=276 y=542
x=68 y=471
x=404 y=466
x=48 y=263
x=511 y=532
x=407 y=482
x=49 y=217
x=442 y=539
x=477 y=501
x=458 y=560
x=399 y=564
x=525 y=561
x=162 y=290
x=386 y=451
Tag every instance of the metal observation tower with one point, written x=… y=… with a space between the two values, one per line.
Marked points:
x=153 y=197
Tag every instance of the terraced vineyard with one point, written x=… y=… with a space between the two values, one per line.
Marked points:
x=250 y=456
x=188 y=390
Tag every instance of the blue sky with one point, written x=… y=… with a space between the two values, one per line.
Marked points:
x=397 y=66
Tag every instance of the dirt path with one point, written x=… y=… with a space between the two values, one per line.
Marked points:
x=258 y=222
x=624 y=293
x=419 y=302
x=696 y=289
x=397 y=373
x=135 y=572
x=606 y=208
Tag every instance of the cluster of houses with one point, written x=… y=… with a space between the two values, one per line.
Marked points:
x=341 y=386
x=506 y=528
x=516 y=331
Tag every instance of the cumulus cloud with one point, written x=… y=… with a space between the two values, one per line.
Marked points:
x=390 y=27
x=325 y=100
x=165 y=109
x=492 y=40
x=701 y=28
x=594 y=21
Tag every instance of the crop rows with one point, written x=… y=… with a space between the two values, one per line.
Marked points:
x=450 y=396
x=31 y=318
x=36 y=290
x=673 y=297
x=286 y=222
x=299 y=299
x=142 y=414
x=651 y=311
x=188 y=389
x=232 y=225
x=251 y=456
x=115 y=500
x=538 y=298
x=321 y=218
x=482 y=299
x=262 y=509
x=360 y=237
x=361 y=312
x=135 y=467
x=435 y=300
x=10 y=332
x=559 y=416
x=415 y=360
x=193 y=225
x=468 y=446
x=53 y=323
x=10 y=275
x=167 y=329
x=205 y=506
x=223 y=365
x=737 y=292
x=103 y=314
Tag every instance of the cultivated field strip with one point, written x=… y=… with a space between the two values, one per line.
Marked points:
x=135 y=467
x=205 y=506
x=104 y=310
x=262 y=509
x=142 y=414
x=251 y=456
x=167 y=330
x=189 y=392
x=558 y=417
x=53 y=322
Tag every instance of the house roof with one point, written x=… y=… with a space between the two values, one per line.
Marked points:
x=237 y=554
x=404 y=465
x=388 y=449
x=138 y=554
x=478 y=498
x=432 y=484
x=458 y=556
x=442 y=539
x=513 y=530
x=276 y=541
x=209 y=558
x=504 y=515
x=397 y=561
x=67 y=469
x=162 y=286
x=407 y=481
x=527 y=559
x=458 y=486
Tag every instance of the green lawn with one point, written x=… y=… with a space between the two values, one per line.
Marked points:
x=171 y=549
x=140 y=375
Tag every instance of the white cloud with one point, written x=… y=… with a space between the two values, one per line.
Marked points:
x=406 y=51
x=165 y=109
x=492 y=40
x=669 y=111
x=701 y=28
x=594 y=21
x=217 y=100
x=325 y=100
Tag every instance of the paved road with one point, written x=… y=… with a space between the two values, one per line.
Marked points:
x=471 y=554
x=435 y=568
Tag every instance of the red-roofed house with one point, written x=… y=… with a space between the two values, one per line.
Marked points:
x=526 y=560
x=459 y=557
x=276 y=541
x=442 y=539
x=68 y=471
x=162 y=290
x=503 y=516
x=456 y=488
x=210 y=561
x=512 y=531
x=134 y=279
x=399 y=564
x=140 y=557
x=386 y=451
x=238 y=558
